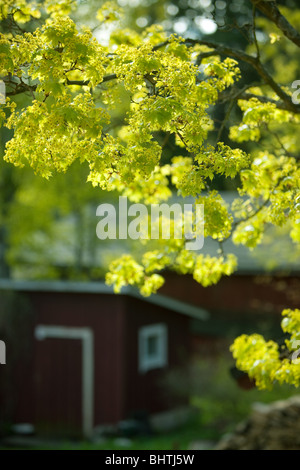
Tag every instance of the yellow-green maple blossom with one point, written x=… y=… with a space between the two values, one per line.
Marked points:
x=165 y=86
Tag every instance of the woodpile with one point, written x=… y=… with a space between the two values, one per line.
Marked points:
x=270 y=427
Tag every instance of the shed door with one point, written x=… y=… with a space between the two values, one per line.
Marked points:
x=58 y=382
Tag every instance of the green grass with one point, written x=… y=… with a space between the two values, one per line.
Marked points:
x=179 y=439
x=218 y=402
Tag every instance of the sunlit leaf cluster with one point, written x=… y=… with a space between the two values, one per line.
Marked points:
x=141 y=112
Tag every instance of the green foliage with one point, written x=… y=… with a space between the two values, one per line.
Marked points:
x=261 y=359
x=141 y=111
x=215 y=394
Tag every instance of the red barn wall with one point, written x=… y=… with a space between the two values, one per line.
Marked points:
x=47 y=386
x=237 y=293
x=146 y=391
x=54 y=382
x=44 y=377
x=237 y=304
x=16 y=327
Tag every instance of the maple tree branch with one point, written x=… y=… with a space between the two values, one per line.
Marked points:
x=254 y=31
x=106 y=78
x=255 y=63
x=271 y=11
x=243 y=95
x=23 y=87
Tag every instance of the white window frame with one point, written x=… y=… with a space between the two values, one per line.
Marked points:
x=160 y=360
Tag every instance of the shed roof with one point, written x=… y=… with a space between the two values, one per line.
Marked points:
x=277 y=253
x=101 y=288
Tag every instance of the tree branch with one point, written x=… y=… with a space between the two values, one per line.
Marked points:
x=106 y=78
x=263 y=99
x=254 y=32
x=22 y=87
x=255 y=63
x=270 y=10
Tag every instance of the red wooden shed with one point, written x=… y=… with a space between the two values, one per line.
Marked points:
x=79 y=356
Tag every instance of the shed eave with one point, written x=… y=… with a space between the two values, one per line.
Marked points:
x=93 y=287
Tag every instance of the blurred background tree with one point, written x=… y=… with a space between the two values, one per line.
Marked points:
x=47 y=230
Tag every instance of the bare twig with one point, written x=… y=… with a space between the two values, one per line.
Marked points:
x=254 y=32
x=221 y=128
